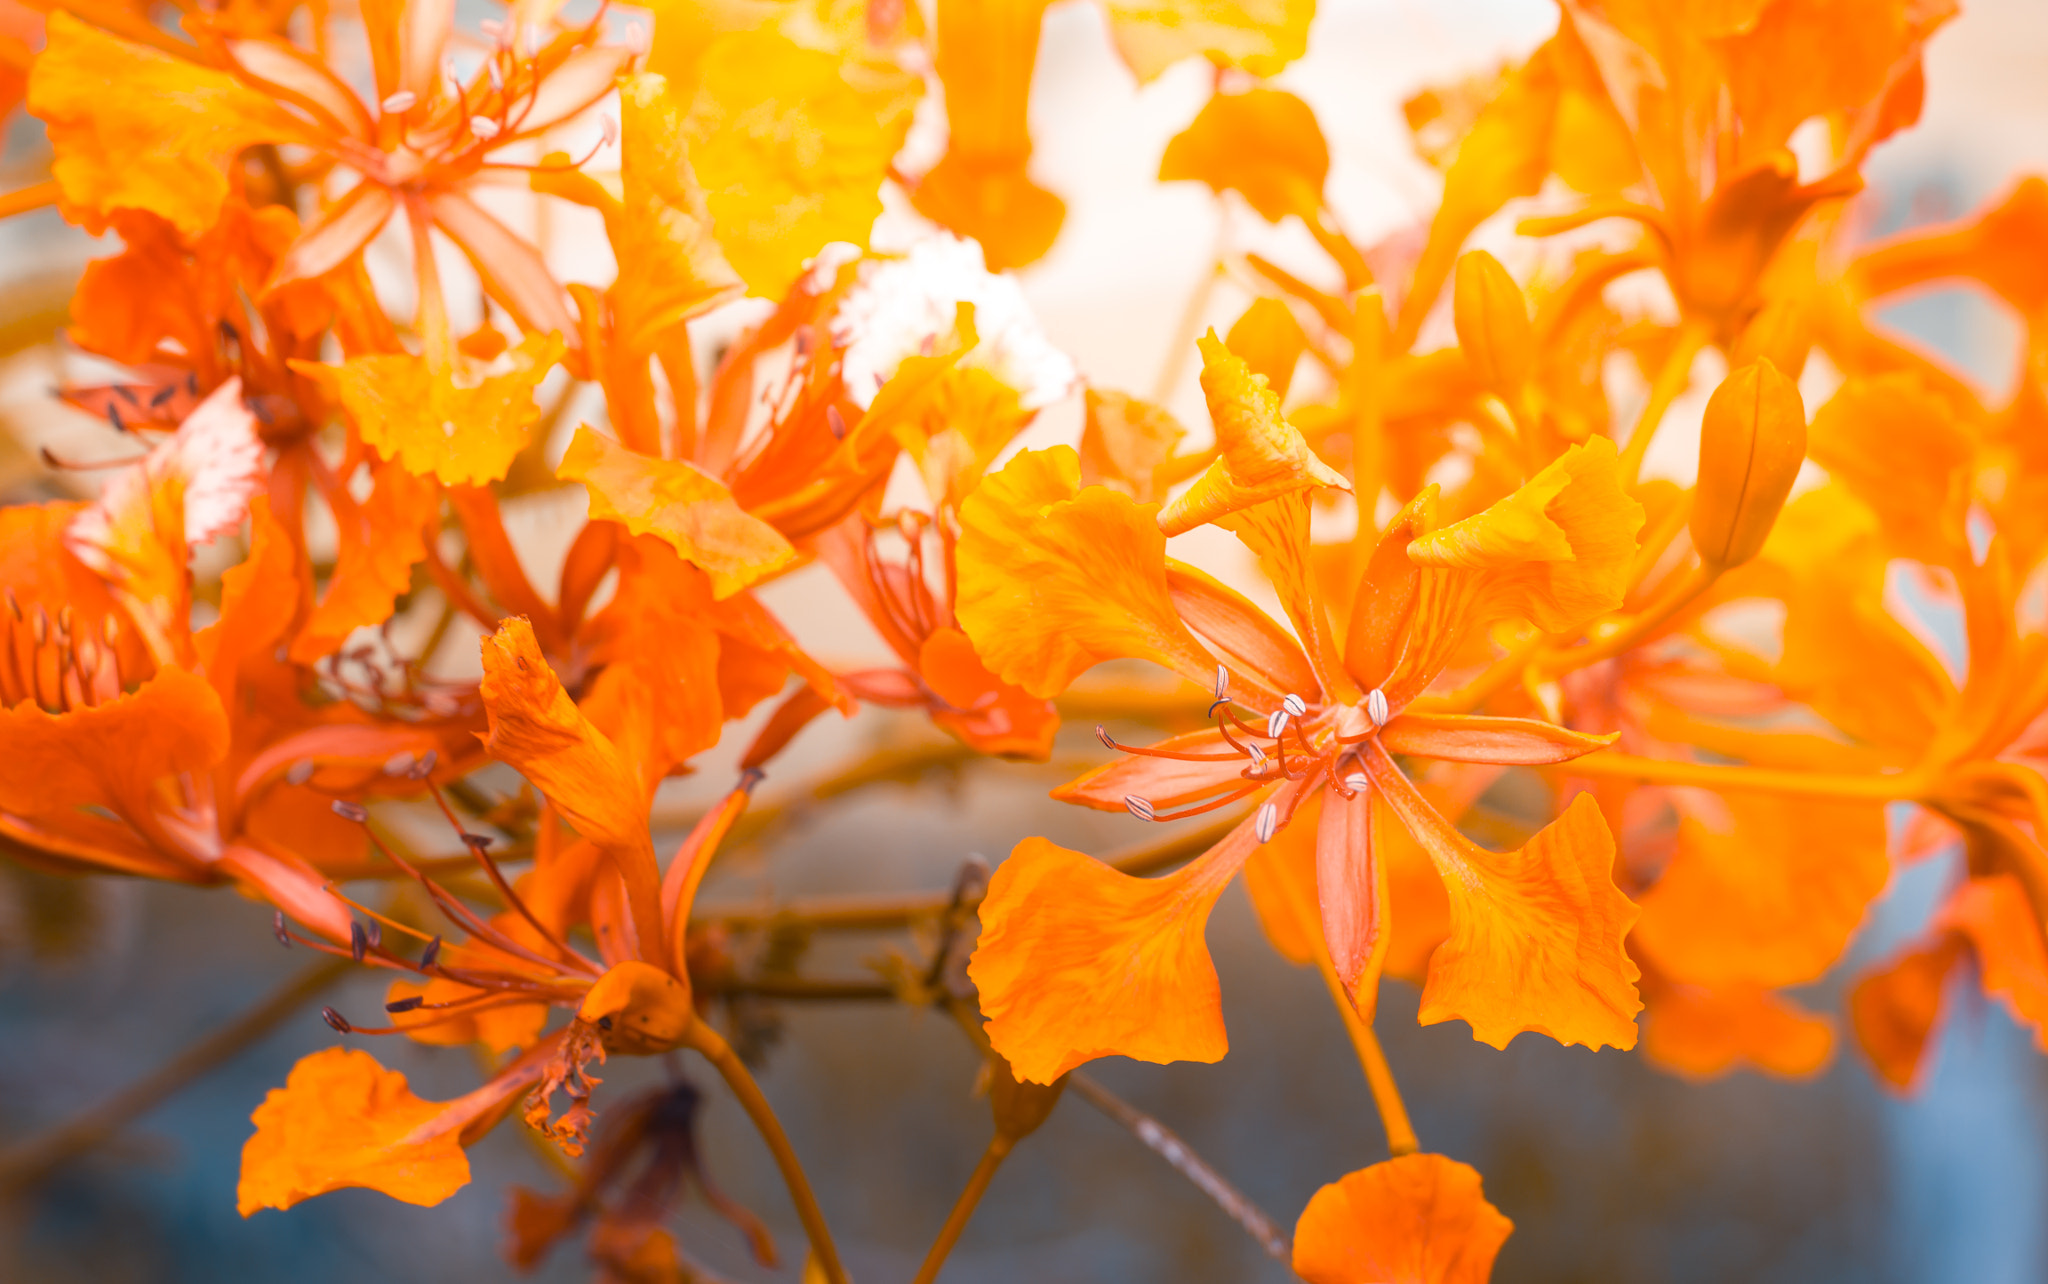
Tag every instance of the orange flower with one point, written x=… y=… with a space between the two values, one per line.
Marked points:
x=1415 y=1219
x=1054 y=578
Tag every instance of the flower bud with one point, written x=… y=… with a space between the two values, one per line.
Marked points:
x=1019 y=1107
x=1493 y=324
x=1752 y=442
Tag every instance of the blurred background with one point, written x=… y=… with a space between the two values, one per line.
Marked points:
x=1611 y=1170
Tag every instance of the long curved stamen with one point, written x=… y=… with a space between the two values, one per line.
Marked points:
x=1222 y=801
x=1148 y=752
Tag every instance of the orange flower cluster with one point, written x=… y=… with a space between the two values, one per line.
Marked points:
x=1580 y=753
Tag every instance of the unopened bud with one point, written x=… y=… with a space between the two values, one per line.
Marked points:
x=1493 y=324
x=1752 y=441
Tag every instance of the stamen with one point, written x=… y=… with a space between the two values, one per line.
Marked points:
x=497 y=77
x=1102 y=734
x=608 y=129
x=430 y=954
x=354 y=811
x=1140 y=807
x=1357 y=782
x=1276 y=724
x=1267 y=823
x=1222 y=800
x=1294 y=705
x=1376 y=707
x=399 y=764
x=397 y=1006
x=401 y=102
x=425 y=766
x=483 y=127
x=336 y=1021
x=358 y=942
x=636 y=39
x=299 y=772
x=1222 y=682
x=279 y=930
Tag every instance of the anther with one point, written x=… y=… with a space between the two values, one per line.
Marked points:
x=478 y=843
x=608 y=129
x=1376 y=707
x=431 y=953
x=497 y=77
x=1258 y=757
x=1266 y=823
x=1102 y=734
x=1357 y=782
x=397 y=1006
x=402 y=101
x=1140 y=807
x=358 y=943
x=64 y=621
x=277 y=929
x=399 y=764
x=1222 y=687
x=336 y=1021
x=425 y=766
x=354 y=811
x=1294 y=705
x=483 y=127
x=299 y=772
x=1276 y=724
x=836 y=422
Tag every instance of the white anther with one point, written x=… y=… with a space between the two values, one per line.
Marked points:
x=300 y=772
x=1139 y=807
x=1258 y=757
x=1102 y=734
x=608 y=129
x=1222 y=682
x=497 y=77
x=1276 y=723
x=399 y=763
x=483 y=127
x=636 y=39
x=1294 y=705
x=1376 y=707
x=402 y=101
x=1356 y=782
x=1267 y=823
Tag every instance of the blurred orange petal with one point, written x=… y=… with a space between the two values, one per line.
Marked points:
x=1416 y=1219
x=1703 y=1033
x=1263 y=456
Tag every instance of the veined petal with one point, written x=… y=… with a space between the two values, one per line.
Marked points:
x=1557 y=551
x=1263 y=456
x=256 y=604
x=1993 y=913
x=512 y=269
x=1386 y=595
x=1415 y=1219
x=1055 y=578
x=1521 y=742
x=340 y=230
x=343 y=1120
x=1164 y=782
x=1264 y=144
x=1277 y=533
x=987 y=713
x=664 y=228
x=1771 y=899
x=1078 y=961
x=1351 y=889
x=1536 y=934
x=459 y=425
x=162 y=144
x=380 y=541
x=1704 y=1033
x=1253 y=646
x=110 y=755
x=685 y=506
x=537 y=730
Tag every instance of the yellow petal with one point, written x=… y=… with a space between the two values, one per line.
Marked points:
x=1263 y=456
x=791 y=145
x=1261 y=36
x=1124 y=442
x=682 y=504
x=461 y=425
x=664 y=230
x=343 y=1120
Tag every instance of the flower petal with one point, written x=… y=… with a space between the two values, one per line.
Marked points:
x=1125 y=442
x=1455 y=737
x=1253 y=646
x=1263 y=456
x=1536 y=934
x=1896 y=1008
x=1261 y=38
x=1416 y=1219
x=1351 y=889
x=1054 y=578
x=1264 y=144
x=1704 y=1033
x=380 y=541
x=682 y=504
x=343 y=1120
x=664 y=229
x=1163 y=782
x=111 y=754
x=1078 y=961
x=984 y=711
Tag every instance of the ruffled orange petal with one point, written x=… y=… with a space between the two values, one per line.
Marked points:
x=1557 y=551
x=1124 y=443
x=1896 y=1009
x=1078 y=961
x=658 y=696
x=343 y=1120
x=538 y=730
x=381 y=539
x=163 y=144
x=1416 y=1219
x=1263 y=456
x=984 y=711
x=1536 y=934
x=461 y=425
x=1770 y=899
x=1054 y=578
x=682 y=504
x=2013 y=962
x=1704 y=1033
x=1264 y=144
x=113 y=754
x=1903 y=450
x=1014 y=219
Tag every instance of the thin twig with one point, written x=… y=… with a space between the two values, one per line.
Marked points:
x=28 y=1162
x=963 y=1208
x=1161 y=1140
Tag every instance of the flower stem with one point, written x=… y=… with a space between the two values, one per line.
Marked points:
x=730 y=1068
x=1672 y=380
x=963 y=1208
